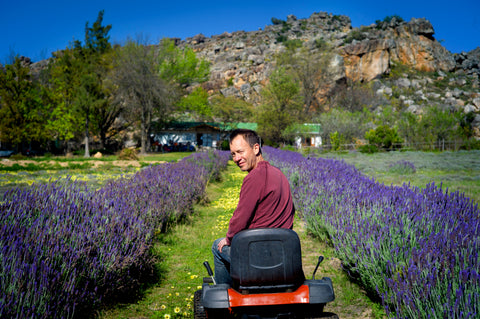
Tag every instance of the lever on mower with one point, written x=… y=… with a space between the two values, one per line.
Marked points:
x=210 y=272
x=320 y=259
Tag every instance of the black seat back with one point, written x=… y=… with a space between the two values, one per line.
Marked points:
x=266 y=259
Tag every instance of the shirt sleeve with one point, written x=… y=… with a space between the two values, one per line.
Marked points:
x=249 y=197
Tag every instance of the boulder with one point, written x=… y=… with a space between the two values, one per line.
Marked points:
x=476 y=102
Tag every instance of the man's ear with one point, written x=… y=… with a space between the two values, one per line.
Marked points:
x=256 y=149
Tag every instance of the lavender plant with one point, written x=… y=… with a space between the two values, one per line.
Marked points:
x=402 y=167
x=417 y=249
x=65 y=248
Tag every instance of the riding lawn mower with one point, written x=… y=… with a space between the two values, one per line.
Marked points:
x=267 y=281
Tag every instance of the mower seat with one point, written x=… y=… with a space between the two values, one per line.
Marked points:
x=266 y=260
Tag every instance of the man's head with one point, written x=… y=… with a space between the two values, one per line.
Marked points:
x=245 y=148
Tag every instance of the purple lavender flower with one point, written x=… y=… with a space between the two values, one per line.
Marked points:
x=65 y=248
x=416 y=248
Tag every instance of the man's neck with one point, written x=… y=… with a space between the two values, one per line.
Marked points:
x=259 y=159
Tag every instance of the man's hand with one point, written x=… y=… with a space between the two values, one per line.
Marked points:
x=222 y=243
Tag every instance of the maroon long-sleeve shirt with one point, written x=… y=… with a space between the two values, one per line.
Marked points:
x=265 y=201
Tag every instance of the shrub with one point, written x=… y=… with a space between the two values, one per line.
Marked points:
x=337 y=140
x=368 y=149
x=293 y=44
x=281 y=38
x=276 y=21
x=383 y=137
x=354 y=35
x=321 y=44
x=128 y=154
x=402 y=167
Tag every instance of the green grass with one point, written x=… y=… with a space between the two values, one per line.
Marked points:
x=164 y=157
x=457 y=171
x=25 y=171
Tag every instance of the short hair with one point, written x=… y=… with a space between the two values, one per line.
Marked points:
x=250 y=136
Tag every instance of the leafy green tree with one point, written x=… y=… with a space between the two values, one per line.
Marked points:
x=96 y=36
x=337 y=140
x=466 y=125
x=437 y=125
x=99 y=54
x=64 y=121
x=139 y=86
x=281 y=107
x=91 y=94
x=231 y=109
x=408 y=127
x=197 y=105
x=350 y=125
x=77 y=82
x=181 y=67
x=22 y=113
x=383 y=137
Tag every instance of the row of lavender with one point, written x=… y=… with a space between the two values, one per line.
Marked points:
x=65 y=248
x=418 y=249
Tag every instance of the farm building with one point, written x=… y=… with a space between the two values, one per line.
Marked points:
x=308 y=135
x=211 y=135
x=196 y=134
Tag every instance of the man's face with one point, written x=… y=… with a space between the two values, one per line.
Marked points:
x=243 y=154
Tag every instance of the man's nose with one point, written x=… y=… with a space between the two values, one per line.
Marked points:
x=235 y=157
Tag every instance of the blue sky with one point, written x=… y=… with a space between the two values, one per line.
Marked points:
x=37 y=28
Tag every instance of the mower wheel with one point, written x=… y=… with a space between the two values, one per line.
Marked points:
x=323 y=315
x=198 y=310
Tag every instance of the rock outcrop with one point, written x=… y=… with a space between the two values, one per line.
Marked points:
x=241 y=62
x=410 y=43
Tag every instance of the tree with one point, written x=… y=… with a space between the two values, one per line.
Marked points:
x=355 y=96
x=314 y=71
x=22 y=113
x=64 y=121
x=91 y=94
x=438 y=125
x=281 y=107
x=140 y=87
x=349 y=125
x=383 y=137
x=181 y=67
x=100 y=54
x=231 y=109
x=408 y=127
x=196 y=104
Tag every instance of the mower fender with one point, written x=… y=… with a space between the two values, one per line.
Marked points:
x=215 y=296
x=320 y=291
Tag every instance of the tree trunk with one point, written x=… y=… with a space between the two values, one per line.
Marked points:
x=143 y=134
x=87 y=150
x=103 y=138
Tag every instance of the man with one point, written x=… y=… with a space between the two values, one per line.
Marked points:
x=265 y=198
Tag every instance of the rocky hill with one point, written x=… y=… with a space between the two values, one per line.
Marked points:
x=242 y=61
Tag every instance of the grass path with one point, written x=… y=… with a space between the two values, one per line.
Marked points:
x=182 y=250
